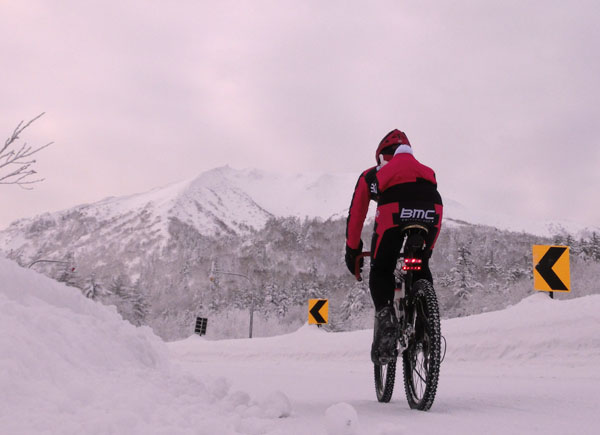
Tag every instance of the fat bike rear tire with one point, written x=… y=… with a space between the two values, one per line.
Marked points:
x=385 y=376
x=421 y=360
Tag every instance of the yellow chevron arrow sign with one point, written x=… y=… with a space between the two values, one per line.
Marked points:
x=318 y=311
x=551 y=268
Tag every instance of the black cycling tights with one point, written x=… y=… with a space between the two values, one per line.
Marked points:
x=381 y=278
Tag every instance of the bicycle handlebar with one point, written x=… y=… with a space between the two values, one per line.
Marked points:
x=357 y=264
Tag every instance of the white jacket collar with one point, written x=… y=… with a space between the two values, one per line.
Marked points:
x=404 y=149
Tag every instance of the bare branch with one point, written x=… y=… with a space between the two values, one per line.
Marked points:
x=11 y=155
x=17 y=173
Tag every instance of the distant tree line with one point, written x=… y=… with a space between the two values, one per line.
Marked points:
x=475 y=268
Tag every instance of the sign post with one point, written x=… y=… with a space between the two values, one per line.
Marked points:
x=551 y=271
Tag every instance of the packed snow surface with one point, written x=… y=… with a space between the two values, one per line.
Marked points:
x=532 y=368
x=69 y=366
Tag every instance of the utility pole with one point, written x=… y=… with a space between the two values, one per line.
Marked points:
x=214 y=271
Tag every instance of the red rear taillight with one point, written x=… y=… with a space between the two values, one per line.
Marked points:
x=412 y=264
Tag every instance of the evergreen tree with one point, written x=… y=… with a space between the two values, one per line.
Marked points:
x=128 y=299
x=574 y=247
x=357 y=300
x=558 y=240
x=491 y=269
x=92 y=288
x=139 y=305
x=464 y=273
x=569 y=240
x=595 y=246
x=68 y=271
x=276 y=301
x=584 y=248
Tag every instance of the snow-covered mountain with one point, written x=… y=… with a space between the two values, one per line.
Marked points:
x=225 y=200
x=219 y=201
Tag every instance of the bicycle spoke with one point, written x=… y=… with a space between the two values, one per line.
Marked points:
x=418 y=373
x=419 y=370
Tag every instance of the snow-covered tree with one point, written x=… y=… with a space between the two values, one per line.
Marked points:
x=356 y=301
x=92 y=288
x=464 y=273
x=491 y=269
x=276 y=301
x=68 y=271
x=139 y=305
x=128 y=299
x=595 y=246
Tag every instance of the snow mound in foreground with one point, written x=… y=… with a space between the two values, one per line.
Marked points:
x=71 y=365
x=341 y=419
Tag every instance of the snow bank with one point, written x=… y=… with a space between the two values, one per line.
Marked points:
x=70 y=365
x=538 y=328
x=309 y=343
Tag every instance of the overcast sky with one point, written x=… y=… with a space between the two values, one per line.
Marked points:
x=500 y=98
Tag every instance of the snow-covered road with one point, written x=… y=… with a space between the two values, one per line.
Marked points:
x=471 y=399
x=518 y=395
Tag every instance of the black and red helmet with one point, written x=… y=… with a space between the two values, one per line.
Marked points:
x=390 y=142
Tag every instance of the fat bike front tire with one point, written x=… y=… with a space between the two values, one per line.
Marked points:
x=385 y=376
x=421 y=360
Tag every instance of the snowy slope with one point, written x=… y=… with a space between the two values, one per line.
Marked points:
x=69 y=365
x=235 y=196
x=310 y=194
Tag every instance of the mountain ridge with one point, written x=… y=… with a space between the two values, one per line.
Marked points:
x=225 y=200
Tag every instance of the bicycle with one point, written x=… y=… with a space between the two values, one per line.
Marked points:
x=419 y=331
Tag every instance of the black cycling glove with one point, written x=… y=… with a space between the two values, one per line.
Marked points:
x=351 y=255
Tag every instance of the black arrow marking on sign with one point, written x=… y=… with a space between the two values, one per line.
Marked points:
x=544 y=267
x=314 y=311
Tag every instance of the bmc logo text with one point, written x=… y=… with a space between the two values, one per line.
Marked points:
x=415 y=213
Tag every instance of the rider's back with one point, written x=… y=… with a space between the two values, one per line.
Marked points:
x=404 y=178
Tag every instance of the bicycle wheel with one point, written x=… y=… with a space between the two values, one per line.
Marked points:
x=421 y=360
x=385 y=376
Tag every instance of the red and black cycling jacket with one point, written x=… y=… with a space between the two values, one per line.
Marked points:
x=402 y=180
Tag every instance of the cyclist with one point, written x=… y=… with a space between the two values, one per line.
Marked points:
x=406 y=193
